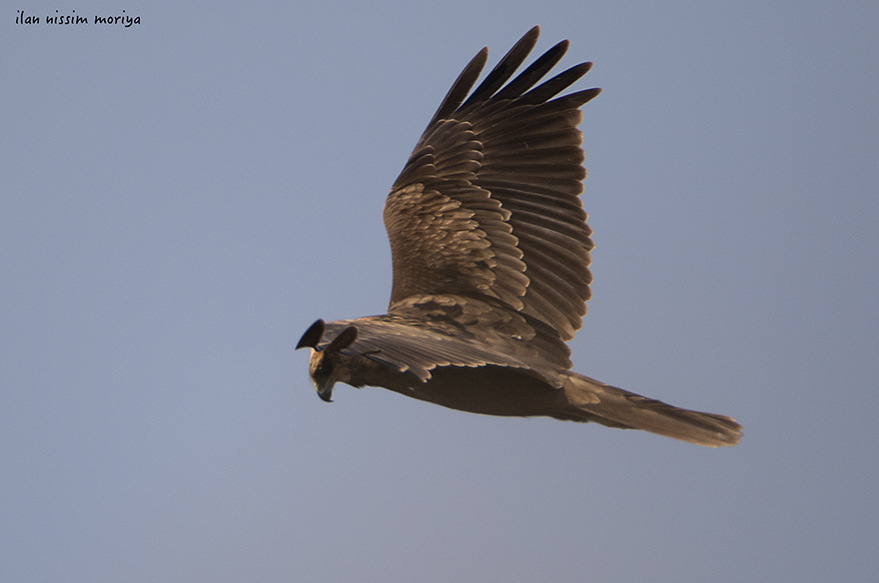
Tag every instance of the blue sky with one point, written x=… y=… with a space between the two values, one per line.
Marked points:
x=182 y=198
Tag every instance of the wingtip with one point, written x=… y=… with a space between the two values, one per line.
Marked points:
x=312 y=336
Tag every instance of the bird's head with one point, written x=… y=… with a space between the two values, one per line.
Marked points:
x=325 y=365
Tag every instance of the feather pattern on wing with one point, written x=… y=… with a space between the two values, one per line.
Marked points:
x=488 y=204
x=425 y=332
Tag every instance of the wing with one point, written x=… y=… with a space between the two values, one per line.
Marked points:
x=425 y=332
x=488 y=204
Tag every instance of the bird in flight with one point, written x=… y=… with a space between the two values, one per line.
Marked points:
x=490 y=252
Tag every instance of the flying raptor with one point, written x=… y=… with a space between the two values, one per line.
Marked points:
x=490 y=252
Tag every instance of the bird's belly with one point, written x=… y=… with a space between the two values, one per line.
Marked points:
x=490 y=390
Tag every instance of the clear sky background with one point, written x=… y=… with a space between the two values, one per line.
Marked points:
x=181 y=199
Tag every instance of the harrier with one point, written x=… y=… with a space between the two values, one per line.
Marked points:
x=490 y=252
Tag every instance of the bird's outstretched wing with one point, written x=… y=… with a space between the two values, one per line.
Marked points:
x=450 y=330
x=488 y=204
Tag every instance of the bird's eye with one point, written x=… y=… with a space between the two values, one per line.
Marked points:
x=323 y=369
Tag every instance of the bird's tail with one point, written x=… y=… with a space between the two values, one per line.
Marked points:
x=591 y=400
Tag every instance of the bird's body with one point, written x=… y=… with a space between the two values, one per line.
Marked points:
x=490 y=256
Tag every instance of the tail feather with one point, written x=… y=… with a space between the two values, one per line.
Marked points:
x=591 y=400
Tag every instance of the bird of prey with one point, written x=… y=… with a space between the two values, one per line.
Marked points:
x=490 y=252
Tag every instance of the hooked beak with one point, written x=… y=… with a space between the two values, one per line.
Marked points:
x=320 y=371
x=325 y=391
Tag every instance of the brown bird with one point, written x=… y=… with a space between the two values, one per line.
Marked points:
x=490 y=253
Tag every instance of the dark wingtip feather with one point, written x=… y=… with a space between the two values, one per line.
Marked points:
x=505 y=68
x=312 y=336
x=461 y=87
